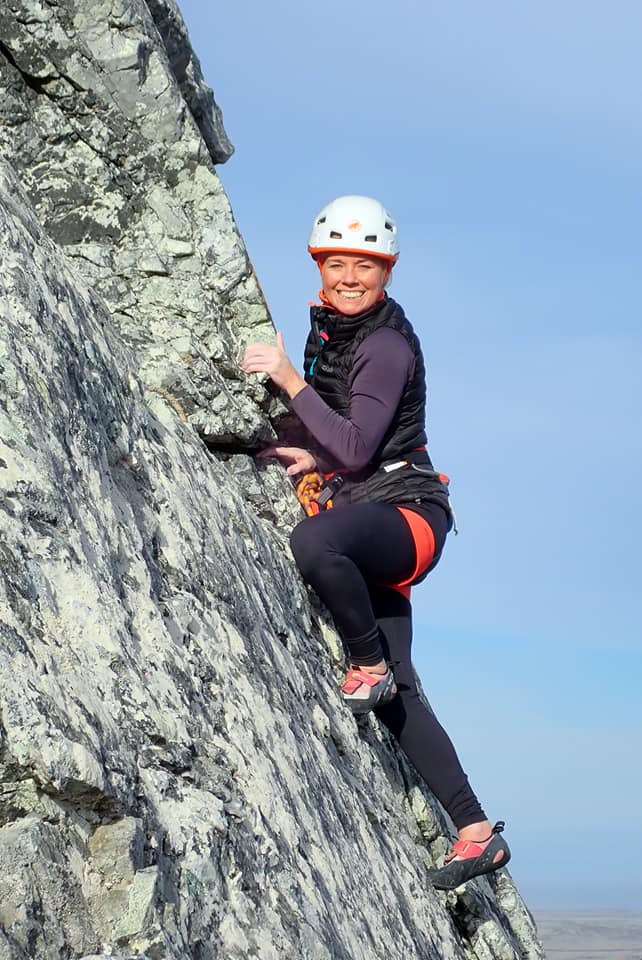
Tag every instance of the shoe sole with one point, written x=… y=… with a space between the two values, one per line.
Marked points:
x=457 y=872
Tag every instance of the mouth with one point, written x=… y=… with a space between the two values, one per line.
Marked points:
x=351 y=294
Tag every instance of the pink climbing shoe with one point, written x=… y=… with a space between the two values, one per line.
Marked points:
x=469 y=859
x=364 y=691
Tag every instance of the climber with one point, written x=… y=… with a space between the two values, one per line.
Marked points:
x=362 y=406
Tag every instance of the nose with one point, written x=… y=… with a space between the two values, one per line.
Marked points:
x=350 y=275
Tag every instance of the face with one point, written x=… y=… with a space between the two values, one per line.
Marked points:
x=353 y=282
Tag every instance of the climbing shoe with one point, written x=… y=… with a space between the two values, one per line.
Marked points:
x=472 y=859
x=364 y=691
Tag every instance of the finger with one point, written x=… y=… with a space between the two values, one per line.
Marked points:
x=286 y=451
x=257 y=365
x=248 y=359
x=277 y=453
x=253 y=355
x=279 y=341
x=255 y=351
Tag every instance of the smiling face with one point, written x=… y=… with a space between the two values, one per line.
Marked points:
x=353 y=282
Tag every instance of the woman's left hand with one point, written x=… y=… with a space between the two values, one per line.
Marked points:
x=273 y=360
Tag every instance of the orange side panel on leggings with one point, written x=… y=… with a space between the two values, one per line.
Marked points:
x=424 y=543
x=404 y=591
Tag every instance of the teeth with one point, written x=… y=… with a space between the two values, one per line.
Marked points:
x=351 y=294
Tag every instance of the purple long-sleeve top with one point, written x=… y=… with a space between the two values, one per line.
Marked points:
x=383 y=365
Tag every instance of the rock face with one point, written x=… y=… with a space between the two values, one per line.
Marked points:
x=105 y=116
x=178 y=778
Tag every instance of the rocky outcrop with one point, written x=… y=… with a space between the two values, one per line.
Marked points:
x=178 y=778
x=105 y=116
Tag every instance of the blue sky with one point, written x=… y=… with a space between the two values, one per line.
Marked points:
x=506 y=139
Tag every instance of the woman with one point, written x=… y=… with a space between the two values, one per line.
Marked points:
x=362 y=402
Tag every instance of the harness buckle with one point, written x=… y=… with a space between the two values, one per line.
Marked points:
x=331 y=486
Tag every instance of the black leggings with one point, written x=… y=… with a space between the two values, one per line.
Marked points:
x=348 y=555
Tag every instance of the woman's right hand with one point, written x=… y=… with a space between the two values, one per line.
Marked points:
x=296 y=459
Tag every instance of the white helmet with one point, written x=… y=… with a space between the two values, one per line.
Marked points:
x=355 y=225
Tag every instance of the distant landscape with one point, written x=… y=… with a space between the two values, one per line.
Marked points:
x=590 y=935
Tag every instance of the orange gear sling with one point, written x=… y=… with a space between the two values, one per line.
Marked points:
x=307 y=489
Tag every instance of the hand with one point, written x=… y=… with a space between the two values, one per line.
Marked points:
x=273 y=360
x=297 y=459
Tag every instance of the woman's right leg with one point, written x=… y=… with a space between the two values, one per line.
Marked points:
x=412 y=722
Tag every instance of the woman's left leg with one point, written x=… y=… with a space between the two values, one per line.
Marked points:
x=339 y=552
x=413 y=723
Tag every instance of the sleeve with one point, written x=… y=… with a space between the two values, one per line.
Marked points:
x=382 y=367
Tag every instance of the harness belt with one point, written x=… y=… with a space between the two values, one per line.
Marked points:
x=315 y=491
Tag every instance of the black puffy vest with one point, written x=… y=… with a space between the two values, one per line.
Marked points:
x=328 y=365
x=328 y=358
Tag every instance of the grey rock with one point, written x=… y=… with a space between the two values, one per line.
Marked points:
x=187 y=70
x=105 y=114
x=178 y=777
